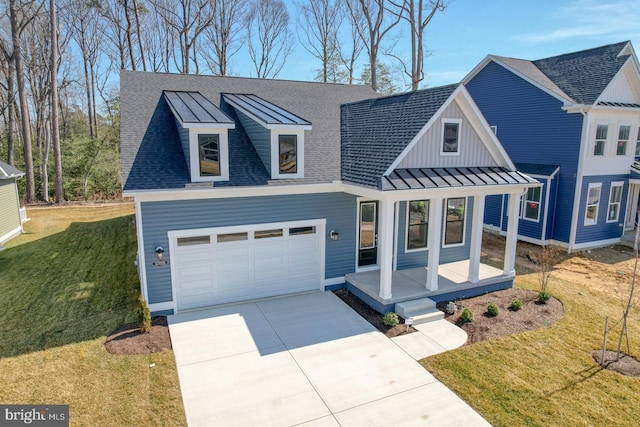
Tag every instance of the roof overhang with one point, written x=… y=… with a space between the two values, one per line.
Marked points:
x=265 y=113
x=193 y=110
x=8 y=171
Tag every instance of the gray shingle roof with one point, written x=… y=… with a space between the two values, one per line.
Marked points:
x=152 y=157
x=8 y=171
x=263 y=110
x=374 y=132
x=584 y=75
x=192 y=107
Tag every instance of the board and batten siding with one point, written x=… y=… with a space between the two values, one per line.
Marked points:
x=602 y=230
x=620 y=88
x=532 y=128
x=9 y=208
x=260 y=137
x=158 y=218
x=415 y=259
x=426 y=153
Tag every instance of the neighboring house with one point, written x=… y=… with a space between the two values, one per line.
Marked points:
x=12 y=216
x=250 y=188
x=571 y=121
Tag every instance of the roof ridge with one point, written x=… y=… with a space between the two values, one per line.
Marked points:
x=580 y=51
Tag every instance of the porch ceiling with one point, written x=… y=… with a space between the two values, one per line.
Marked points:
x=425 y=178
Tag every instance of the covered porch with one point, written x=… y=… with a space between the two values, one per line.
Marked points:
x=409 y=284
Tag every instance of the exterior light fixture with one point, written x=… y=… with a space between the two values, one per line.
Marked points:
x=334 y=235
x=159 y=261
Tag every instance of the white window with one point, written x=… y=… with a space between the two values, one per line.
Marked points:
x=450 y=137
x=417 y=224
x=287 y=153
x=638 y=143
x=623 y=139
x=615 y=198
x=454 y=225
x=288 y=148
x=593 y=200
x=530 y=209
x=601 y=139
x=209 y=154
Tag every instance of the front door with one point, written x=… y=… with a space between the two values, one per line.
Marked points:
x=368 y=230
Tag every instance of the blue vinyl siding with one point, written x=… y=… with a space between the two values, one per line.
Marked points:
x=602 y=230
x=533 y=128
x=552 y=208
x=493 y=210
x=420 y=258
x=159 y=218
x=259 y=136
x=531 y=228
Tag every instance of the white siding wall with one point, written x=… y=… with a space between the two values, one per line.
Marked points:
x=426 y=153
x=610 y=162
x=621 y=89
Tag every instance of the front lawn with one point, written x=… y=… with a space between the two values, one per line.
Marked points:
x=64 y=286
x=547 y=377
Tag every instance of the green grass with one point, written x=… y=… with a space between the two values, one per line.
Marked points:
x=547 y=377
x=64 y=286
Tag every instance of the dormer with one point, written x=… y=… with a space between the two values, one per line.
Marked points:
x=203 y=130
x=276 y=134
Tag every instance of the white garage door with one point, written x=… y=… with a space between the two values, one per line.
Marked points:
x=223 y=265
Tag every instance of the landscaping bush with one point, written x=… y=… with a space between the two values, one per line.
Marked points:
x=516 y=305
x=543 y=296
x=144 y=315
x=493 y=309
x=467 y=315
x=390 y=319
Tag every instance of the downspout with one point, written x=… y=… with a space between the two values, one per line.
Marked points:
x=578 y=190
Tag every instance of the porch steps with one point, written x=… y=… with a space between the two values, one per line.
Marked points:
x=422 y=310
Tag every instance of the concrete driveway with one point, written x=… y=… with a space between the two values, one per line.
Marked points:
x=303 y=360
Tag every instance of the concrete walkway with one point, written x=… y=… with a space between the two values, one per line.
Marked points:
x=306 y=360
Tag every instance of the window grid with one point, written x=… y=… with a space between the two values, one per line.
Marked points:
x=417 y=224
x=593 y=202
x=615 y=199
x=601 y=138
x=454 y=228
x=530 y=209
x=623 y=139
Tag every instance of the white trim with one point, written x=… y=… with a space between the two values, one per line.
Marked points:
x=596 y=243
x=594 y=185
x=142 y=265
x=162 y=306
x=545 y=213
x=333 y=281
x=275 y=154
x=445 y=121
x=634 y=64
x=615 y=184
x=375 y=266
x=223 y=154
x=187 y=125
x=173 y=235
x=524 y=206
x=396 y=235
x=406 y=228
x=575 y=214
x=445 y=205
x=10 y=235
x=617 y=139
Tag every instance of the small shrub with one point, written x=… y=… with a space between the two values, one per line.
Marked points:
x=144 y=315
x=493 y=309
x=516 y=305
x=467 y=315
x=543 y=296
x=390 y=319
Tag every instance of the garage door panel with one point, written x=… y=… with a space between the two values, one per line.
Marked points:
x=232 y=271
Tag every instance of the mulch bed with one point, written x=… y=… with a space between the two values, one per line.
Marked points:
x=128 y=339
x=531 y=316
x=373 y=316
x=627 y=365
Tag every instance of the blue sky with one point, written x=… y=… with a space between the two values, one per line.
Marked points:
x=469 y=30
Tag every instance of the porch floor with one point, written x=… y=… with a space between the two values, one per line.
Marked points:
x=410 y=284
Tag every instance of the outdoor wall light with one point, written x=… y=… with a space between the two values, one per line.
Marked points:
x=334 y=235
x=159 y=253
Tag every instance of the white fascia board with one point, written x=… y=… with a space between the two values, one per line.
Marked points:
x=487 y=59
x=630 y=62
x=434 y=119
x=214 y=126
x=545 y=177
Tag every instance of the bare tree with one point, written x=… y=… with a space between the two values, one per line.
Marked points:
x=225 y=34
x=418 y=14
x=270 y=41
x=373 y=29
x=321 y=21
x=187 y=19
x=9 y=113
x=55 y=130
x=349 y=53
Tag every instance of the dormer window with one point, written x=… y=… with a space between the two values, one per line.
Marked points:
x=450 y=137
x=209 y=153
x=288 y=153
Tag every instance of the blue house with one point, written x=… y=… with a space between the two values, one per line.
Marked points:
x=572 y=122
x=251 y=188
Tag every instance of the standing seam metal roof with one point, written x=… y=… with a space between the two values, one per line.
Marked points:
x=193 y=107
x=264 y=110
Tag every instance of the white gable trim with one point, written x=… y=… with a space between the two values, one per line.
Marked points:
x=476 y=120
x=635 y=83
x=490 y=58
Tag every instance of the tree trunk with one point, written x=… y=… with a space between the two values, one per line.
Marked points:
x=129 y=36
x=55 y=131
x=44 y=159
x=11 y=122
x=140 y=45
x=24 y=105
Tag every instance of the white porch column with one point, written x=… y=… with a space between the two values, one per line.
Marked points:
x=385 y=246
x=512 y=234
x=476 y=239
x=434 y=242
